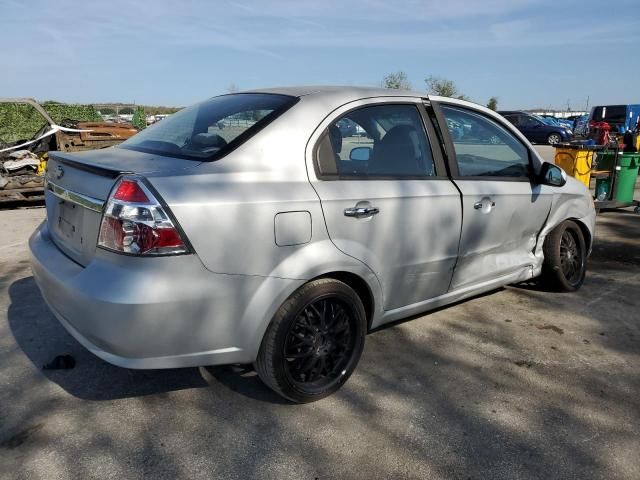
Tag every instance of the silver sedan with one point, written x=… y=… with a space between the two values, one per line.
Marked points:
x=277 y=227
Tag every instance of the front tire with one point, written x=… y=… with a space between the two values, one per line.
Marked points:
x=565 y=262
x=554 y=139
x=314 y=341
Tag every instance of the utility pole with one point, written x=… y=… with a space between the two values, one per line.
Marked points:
x=586 y=109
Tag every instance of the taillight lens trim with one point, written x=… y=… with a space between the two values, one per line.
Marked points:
x=132 y=220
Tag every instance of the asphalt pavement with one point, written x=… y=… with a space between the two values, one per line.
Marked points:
x=516 y=384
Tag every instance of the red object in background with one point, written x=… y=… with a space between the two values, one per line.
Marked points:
x=599 y=132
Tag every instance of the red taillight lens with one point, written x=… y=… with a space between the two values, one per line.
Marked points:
x=135 y=222
x=130 y=191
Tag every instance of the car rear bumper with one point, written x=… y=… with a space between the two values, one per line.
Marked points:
x=163 y=312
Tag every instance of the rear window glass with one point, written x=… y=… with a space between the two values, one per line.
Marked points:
x=210 y=129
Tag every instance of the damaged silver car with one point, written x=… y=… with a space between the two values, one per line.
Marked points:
x=254 y=228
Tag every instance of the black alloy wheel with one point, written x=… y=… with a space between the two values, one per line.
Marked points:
x=314 y=341
x=571 y=259
x=565 y=258
x=320 y=343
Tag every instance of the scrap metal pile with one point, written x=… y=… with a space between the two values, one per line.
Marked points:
x=23 y=163
x=23 y=169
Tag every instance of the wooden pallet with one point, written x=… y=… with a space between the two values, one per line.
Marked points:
x=32 y=194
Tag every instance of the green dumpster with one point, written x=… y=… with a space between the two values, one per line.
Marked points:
x=626 y=176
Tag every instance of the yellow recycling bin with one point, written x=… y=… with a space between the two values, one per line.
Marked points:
x=576 y=160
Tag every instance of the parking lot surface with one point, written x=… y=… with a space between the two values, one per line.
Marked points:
x=516 y=384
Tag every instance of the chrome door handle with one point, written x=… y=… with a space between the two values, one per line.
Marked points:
x=479 y=205
x=361 y=212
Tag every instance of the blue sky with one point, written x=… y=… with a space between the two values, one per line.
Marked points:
x=528 y=53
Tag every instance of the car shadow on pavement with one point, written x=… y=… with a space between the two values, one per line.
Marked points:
x=244 y=380
x=41 y=337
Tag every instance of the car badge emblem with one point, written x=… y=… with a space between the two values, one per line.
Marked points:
x=59 y=172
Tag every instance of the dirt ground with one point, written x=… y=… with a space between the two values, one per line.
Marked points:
x=516 y=384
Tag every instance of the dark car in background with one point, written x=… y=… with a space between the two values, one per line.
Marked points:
x=536 y=130
x=347 y=128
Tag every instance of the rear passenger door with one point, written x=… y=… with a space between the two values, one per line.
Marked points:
x=533 y=129
x=503 y=210
x=386 y=198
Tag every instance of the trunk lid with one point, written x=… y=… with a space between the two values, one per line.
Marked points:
x=78 y=185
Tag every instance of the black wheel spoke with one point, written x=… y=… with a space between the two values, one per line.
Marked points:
x=334 y=311
x=320 y=342
x=301 y=354
x=302 y=338
x=571 y=261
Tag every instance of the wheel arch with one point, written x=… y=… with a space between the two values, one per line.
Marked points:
x=263 y=306
x=360 y=286
x=586 y=233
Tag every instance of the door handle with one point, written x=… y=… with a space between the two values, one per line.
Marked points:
x=479 y=205
x=361 y=212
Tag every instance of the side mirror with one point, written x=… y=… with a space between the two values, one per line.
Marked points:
x=360 y=154
x=552 y=175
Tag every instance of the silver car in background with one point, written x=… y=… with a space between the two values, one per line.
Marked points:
x=277 y=227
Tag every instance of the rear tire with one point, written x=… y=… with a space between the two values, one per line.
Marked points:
x=565 y=262
x=314 y=341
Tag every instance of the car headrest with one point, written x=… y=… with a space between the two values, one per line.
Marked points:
x=336 y=138
x=208 y=140
x=397 y=153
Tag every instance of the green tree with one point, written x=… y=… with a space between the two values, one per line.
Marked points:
x=493 y=103
x=139 y=118
x=443 y=88
x=396 y=80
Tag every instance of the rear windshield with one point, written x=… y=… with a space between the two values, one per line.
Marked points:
x=210 y=129
x=611 y=113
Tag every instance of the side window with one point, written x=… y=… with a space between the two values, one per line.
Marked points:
x=377 y=141
x=514 y=119
x=483 y=147
x=528 y=121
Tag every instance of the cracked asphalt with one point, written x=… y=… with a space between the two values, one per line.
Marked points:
x=516 y=384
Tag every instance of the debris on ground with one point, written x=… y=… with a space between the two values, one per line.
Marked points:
x=523 y=363
x=546 y=326
x=60 y=362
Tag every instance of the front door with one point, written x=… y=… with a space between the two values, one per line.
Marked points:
x=386 y=198
x=503 y=210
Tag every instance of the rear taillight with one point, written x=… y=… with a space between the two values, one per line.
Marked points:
x=135 y=222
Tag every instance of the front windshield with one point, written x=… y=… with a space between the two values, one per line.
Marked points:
x=210 y=129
